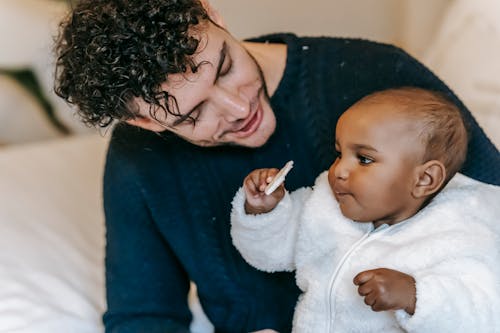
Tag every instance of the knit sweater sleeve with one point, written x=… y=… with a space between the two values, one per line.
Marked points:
x=142 y=295
x=268 y=241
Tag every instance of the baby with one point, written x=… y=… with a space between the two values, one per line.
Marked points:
x=391 y=238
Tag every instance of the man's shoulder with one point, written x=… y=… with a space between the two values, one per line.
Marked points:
x=133 y=141
x=348 y=44
x=290 y=38
x=349 y=54
x=147 y=151
x=131 y=146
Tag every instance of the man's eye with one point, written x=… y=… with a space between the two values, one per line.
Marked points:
x=190 y=119
x=193 y=117
x=227 y=68
x=364 y=160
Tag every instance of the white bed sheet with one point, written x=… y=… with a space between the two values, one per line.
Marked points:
x=52 y=237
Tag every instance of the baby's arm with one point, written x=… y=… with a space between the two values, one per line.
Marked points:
x=266 y=240
x=386 y=289
x=458 y=296
x=462 y=295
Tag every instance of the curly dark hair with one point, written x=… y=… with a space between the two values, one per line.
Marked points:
x=112 y=51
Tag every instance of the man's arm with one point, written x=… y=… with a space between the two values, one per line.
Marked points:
x=145 y=284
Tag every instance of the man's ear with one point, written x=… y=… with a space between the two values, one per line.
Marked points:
x=146 y=123
x=429 y=178
x=213 y=14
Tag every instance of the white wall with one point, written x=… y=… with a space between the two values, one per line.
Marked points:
x=370 y=18
x=407 y=23
x=421 y=20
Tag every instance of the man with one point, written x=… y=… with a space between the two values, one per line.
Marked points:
x=198 y=110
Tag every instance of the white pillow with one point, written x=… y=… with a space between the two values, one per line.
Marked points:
x=22 y=119
x=28 y=30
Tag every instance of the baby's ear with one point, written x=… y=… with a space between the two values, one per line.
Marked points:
x=429 y=178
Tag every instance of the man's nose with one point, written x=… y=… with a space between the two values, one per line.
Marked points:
x=231 y=104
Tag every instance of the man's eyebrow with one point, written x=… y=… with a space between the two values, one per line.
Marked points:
x=222 y=57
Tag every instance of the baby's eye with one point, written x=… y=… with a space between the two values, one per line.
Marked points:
x=364 y=160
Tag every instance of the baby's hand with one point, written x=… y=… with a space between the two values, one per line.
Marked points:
x=387 y=289
x=255 y=183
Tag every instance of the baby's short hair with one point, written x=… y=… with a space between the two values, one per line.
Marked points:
x=442 y=131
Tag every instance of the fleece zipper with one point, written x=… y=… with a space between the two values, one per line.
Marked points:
x=333 y=280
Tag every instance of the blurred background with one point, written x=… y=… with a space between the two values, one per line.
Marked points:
x=458 y=39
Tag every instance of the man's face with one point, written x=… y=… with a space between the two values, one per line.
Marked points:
x=373 y=177
x=226 y=97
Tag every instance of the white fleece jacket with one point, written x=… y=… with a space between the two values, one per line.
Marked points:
x=451 y=248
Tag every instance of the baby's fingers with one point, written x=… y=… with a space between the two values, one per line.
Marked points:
x=251 y=183
x=365 y=289
x=257 y=180
x=363 y=277
x=266 y=176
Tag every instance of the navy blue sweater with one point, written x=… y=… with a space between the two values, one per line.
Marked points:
x=167 y=202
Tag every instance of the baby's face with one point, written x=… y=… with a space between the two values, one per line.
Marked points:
x=379 y=151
